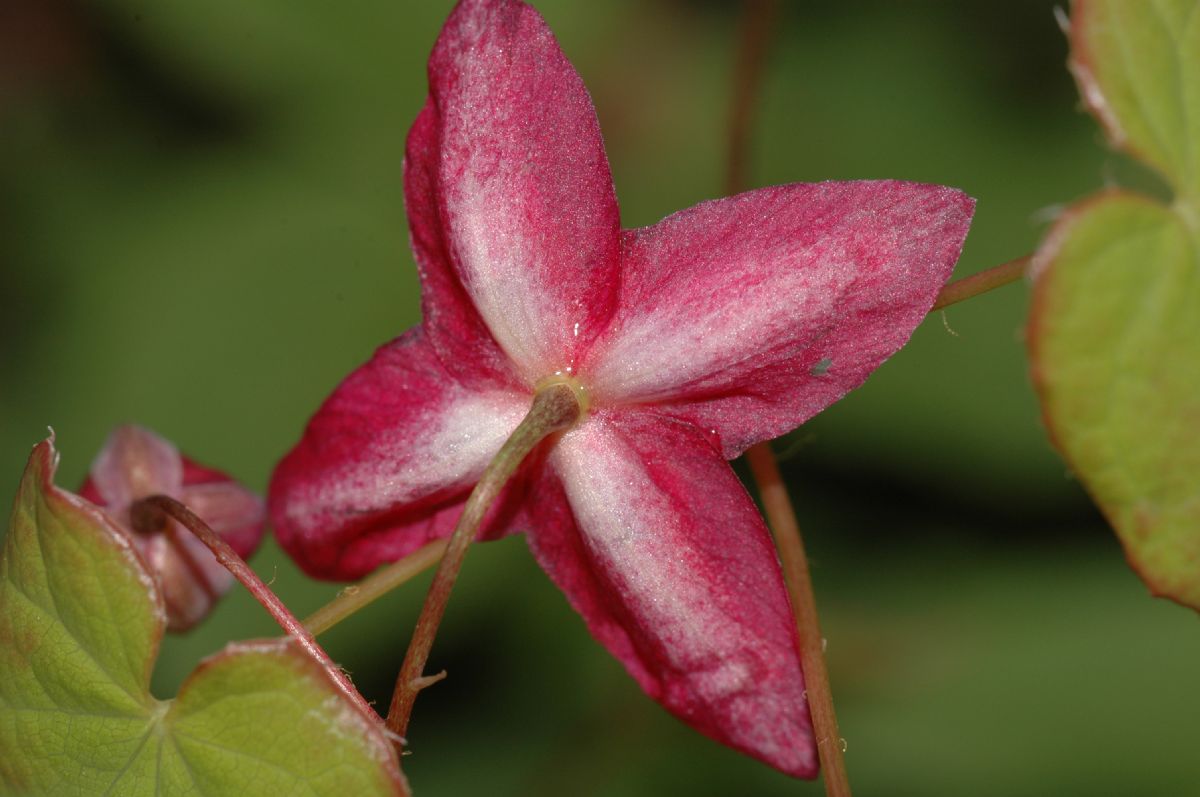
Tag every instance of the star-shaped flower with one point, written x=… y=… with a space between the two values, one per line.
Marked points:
x=136 y=463
x=723 y=325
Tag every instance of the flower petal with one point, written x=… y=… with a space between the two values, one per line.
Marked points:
x=135 y=463
x=522 y=193
x=751 y=314
x=385 y=461
x=192 y=579
x=232 y=511
x=674 y=572
x=462 y=339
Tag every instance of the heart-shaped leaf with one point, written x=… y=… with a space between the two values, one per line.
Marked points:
x=1114 y=332
x=81 y=619
x=1138 y=69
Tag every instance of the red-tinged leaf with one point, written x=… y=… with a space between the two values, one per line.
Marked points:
x=1114 y=333
x=81 y=620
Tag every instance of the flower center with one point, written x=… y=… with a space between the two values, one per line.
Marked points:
x=147 y=519
x=577 y=388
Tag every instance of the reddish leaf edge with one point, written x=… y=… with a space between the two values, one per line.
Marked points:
x=40 y=471
x=1079 y=64
x=367 y=724
x=42 y=467
x=1041 y=264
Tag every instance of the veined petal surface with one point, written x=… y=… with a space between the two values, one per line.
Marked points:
x=749 y=315
x=511 y=196
x=453 y=324
x=386 y=460
x=674 y=572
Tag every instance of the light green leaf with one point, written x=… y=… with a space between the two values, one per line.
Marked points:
x=1114 y=332
x=1115 y=337
x=1138 y=67
x=80 y=623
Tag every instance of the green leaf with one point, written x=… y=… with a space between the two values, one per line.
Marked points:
x=1114 y=331
x=1138 y=67
x=81 y=619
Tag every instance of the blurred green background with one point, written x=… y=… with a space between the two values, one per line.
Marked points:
x=202 y=230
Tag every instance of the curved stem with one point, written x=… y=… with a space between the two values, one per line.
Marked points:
x=781 y=517
x=758 y=20
x=149 y=514
x=555 y=407
x=374 y=587
x=194 y=568
x=757 y=25
x=982 y=282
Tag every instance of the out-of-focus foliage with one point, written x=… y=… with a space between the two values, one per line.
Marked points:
x=80 y=622
x=202 y=230
x=1115 y=329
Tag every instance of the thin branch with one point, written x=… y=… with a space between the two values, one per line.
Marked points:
x=374 y=587
x=758 y=22
x=982 y=282
x=148 y=514
x=554 y=408
x=781 y=517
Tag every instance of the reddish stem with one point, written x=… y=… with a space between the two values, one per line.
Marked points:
x=982 y=282
x=555 y=407
x=781 y=517
x=148 y=514
x=758 y=22
x=194 y=568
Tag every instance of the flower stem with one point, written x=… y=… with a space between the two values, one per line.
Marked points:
x=758 y=19
x=555 y=407
x=781 y=517
x=373 y=587
x=982 y=282
x=757 y=25
x=149 y=514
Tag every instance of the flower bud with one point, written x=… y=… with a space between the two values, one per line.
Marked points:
x=135 y=463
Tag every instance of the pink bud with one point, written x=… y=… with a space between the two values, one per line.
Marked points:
x=135 y=463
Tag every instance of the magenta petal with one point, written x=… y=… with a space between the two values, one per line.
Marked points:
x=507 y=163
x=385 y=461
x=453 y=325
x=751 y=314
x=674 y=572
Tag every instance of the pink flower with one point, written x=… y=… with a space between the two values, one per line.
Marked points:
x=135 y=463
x=723 y=325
